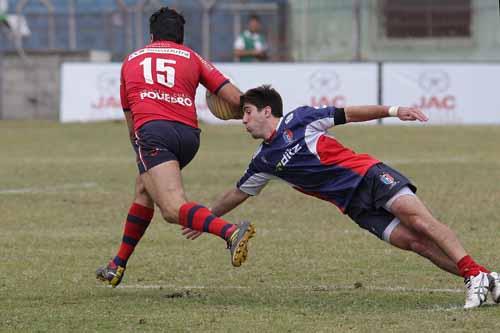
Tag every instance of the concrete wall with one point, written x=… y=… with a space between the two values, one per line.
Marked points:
x=321 y=30
x=31 y=89
x=484 y=44
x=325 y=30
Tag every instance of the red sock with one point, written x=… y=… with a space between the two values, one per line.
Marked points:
x=468 y=267
x=200 y=218
x=137 y=222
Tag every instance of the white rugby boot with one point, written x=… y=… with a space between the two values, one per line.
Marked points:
x=494 y=278
x=477 y=288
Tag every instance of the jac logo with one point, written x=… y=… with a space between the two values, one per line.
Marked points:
x=322 y=101
x=108 y=88
x=323 y=85
x=324 y=81
x=435 y=85
x=287 y=156
x=108 y=83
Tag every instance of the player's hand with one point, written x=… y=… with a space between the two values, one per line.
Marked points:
x=190 y=233
x=410 y=113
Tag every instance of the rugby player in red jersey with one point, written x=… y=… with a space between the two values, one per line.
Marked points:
x=297 y=149
x=158 y=86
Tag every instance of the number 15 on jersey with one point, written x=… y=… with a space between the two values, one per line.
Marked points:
x=165 y=72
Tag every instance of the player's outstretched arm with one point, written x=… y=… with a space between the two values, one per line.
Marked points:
x=371 y=112
x=228 y=201
x=224 y=204
x=409 y=113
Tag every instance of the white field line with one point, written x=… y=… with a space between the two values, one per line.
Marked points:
x=396 y=289
x=48 y=189
x=310 y=288
x=75 y=160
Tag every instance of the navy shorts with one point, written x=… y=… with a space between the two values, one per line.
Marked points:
x=366 y=207
x=159 y=141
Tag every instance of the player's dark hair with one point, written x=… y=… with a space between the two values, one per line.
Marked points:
x=167 y=24
x=264 y=96
x=254 y=17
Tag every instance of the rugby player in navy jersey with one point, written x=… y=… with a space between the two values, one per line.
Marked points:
x=297 y=149
x=158 y=86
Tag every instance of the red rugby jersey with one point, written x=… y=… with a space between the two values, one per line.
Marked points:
x=159 y=81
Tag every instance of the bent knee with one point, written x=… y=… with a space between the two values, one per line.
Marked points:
x=408 y=240
x=169 y=204
x=422 y=247
x=422 y=224
x=140 y=189
x=418 y=247
x=170 y=215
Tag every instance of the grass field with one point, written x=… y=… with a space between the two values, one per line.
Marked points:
x=65 y=190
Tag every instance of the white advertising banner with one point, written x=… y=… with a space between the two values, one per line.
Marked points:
x=314 y=84
x=90 y=92
x=448 y=93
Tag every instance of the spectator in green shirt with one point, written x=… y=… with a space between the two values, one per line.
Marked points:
x=3 y=13
x=250 y=46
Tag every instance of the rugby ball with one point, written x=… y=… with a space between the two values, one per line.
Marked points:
x=222 y=109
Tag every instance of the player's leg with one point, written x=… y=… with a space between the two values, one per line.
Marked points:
x=383 y=224
x=385 y=189
x=413 y=214
x=164 y=183
x=138 y=219
x=407 y=239
x=163 y=149
x=387 y=227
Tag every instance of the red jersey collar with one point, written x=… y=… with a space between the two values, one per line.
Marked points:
x=273 y=134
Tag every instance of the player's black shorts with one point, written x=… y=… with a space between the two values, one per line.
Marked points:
x=379 y=184
x=159 y=141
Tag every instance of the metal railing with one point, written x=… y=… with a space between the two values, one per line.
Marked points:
x=211 y=26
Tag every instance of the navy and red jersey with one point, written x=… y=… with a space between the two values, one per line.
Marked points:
x=303 y=154
x=159 y=81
